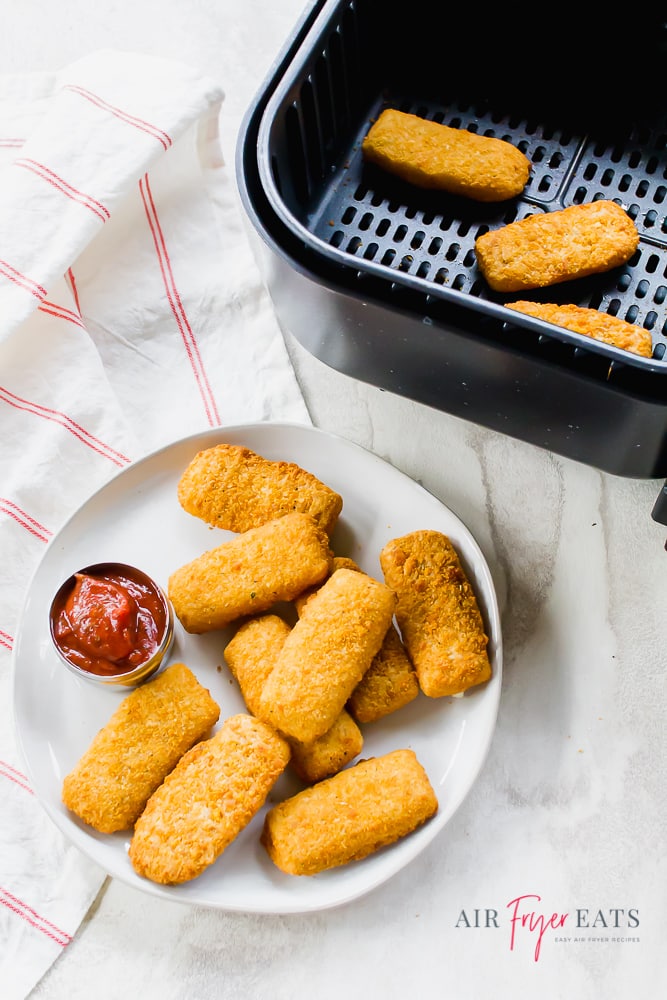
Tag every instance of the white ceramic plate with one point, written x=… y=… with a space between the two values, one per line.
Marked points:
x=136 y=518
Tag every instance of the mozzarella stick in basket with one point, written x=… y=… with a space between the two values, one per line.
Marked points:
x=349 y=816
x=430 y=155
x=437 y=613
x=250 y=656
x=141 y=743
x=547 y=248
x=248 y=574
x=207 y=800
x=232 y=487
x=591 y=323
x=326 y=654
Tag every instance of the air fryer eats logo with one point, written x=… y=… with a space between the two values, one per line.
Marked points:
x=530 y=923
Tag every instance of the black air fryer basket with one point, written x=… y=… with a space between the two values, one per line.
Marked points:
x=379 y=280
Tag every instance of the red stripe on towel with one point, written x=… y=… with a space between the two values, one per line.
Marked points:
x=72 y=284
x=22 y=280
x=70 y=425
x=7 y=771
x=25 y=520
x=53 y=309
x=188 y=336
x=48 y=175
x=144 y=126
x=21 y=909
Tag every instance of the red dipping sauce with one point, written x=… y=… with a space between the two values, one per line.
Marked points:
x=109 y=619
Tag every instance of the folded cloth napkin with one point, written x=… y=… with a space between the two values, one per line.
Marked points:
x=131 y=313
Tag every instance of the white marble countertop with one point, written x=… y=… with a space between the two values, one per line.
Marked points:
x=569 y=809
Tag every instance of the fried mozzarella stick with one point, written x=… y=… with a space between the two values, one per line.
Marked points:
x=591 y=323
x=548 y=248
x=144 y=739
x=390 y=682
x=204 y=803
x=251 y=653
x=437 y=613
x=349 y=816
x=232 y=487
x=248 y=574
x=250 y=656
x=326 y=654
x=431 y=155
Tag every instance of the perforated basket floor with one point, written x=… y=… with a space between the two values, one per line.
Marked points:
x=582 y=147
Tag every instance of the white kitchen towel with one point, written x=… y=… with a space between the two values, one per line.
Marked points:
x=131 y=313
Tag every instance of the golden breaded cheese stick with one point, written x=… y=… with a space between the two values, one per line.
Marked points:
x=390 y=682
x=329 y=753
x=326 y=654
x=232 y=487
x=143 y=740
x=207 y=800
x=437 y=613
x=430 y=155
x=552 y=247
x=250 y=656
x=248 y=574
x=251 y=653
x=338 y=562
x=350 y=815
x=591 y=323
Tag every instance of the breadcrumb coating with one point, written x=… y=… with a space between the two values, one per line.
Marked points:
x=250 y=573
x=143 y=740
x=548 y=248
x=437 y=613
x=204 y=803
x=326 y=654
x=349 y=816
x=390 y=682
x=430 y=155
x=250 y=656
x=232 y=487
x=591 y=323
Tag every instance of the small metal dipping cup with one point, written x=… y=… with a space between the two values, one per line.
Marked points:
x=135 y=675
